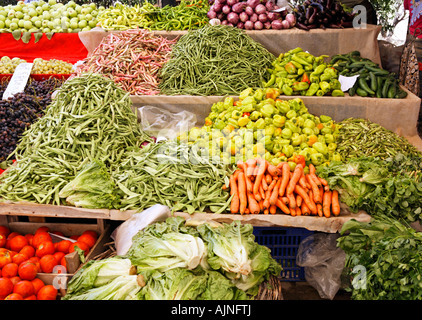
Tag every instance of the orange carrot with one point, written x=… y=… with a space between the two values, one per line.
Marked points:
x=293 y=212
x=273 y=170
x=257 y=196
x=306 y=198
x=243 y=198
x=335 y=204
x=261 y=172
x=273 y=209
x=298 y=200
x=323 y=181
x=305 y=209
x=262 y=192
x=292 y=200
x=313 y=207
x=280 y=165
x=274 y=193
x=302 y=182
x=298 y=211
x=280 y=204
x=297 y=172
x=251 y=164
x=247 y=211
x=265 y=183
x=253 y=204
x=268 y=194
x=255 y=172
x=234 y=204
x=319 y=210
x=268 y=178
x=261 y=205
x=312 y=173
x=266 y=211
x=285 y=177
x=285 y=200
x=315 y=190
x=326 y=204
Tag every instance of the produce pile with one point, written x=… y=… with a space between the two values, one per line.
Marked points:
x=297 y=72
x=23 y=256
x=323 y=14
x=250 y=15
x=187 y=15
x=131 y=58
x=173 y=260
x=20 y=111
x=214 y=60
x=40 y=66
x=48 y=17
x=260 y=187
x=390 y=252
x=372 y=80
x=260 y=124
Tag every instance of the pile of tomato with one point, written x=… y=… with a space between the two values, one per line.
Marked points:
x=23 y=256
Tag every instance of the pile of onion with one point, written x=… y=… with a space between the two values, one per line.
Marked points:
x=251 y=14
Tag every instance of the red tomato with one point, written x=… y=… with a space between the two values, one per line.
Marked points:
x=88 y=239
x=10 y=270
x=3 y=240
x=46 y=247
x=48 y=262
x=29 y=237
x=38 y=284
x=59 y=233
x=63 y=246
x=92 y=233
x=59 y=255
x=4 y=230
x=5 y=258
x=6 y=287
x=82 y=245
x=47 y=292
x=63 y=263
x=36 y=261
x=18 y=242
x=33 y=297
x=28 y=251
x=24 y=287
x=40 y=237
x=19 y=258
x=27 y=271
x=42 y=229
x=14 y=296
x=15 y=280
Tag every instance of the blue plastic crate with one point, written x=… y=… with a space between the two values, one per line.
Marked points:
x=284 y=244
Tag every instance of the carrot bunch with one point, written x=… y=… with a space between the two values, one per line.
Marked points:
x=257 y=186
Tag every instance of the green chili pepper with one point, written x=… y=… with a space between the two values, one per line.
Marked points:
x=313 y=88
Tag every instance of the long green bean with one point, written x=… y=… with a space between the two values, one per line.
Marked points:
x=214 y=60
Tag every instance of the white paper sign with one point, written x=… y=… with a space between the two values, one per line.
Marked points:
x=18 y=81
x=347 y=82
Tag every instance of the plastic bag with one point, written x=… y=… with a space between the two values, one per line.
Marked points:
x=164 y=124
x=124 y=233
x=323 y=262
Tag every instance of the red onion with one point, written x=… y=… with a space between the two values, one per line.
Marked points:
x=263 y=17
x=239 y=7
x=258 y=25
x=285 y=24
x=276 y=24
x=291 y=19
x=269 y=5
x=217 y=7
x=253 y=17
x=231 y=2
x=230 y=24
x=221 y=16
x=211 y=14
x=249 y=25
x=273 y=16
x=240 y=25
x=253 y=3
x=243 y=16
x=260 y=8
x=267 y=25
x=224 y=22
x=249 y=10
x=233 y=18
x=226 y=9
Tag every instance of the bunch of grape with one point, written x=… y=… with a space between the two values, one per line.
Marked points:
x=40 y=66
x=20 y=111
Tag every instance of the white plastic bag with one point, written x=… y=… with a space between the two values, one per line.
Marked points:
x=323 y=262
x=164 y=124
x=124 y=233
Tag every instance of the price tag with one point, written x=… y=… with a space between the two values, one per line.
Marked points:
x=18 y=81
x=347 y=82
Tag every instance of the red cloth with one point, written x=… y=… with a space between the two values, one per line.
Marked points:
x=63 y=46
x=409 y=5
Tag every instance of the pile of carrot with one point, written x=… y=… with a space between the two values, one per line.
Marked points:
x=257 y=186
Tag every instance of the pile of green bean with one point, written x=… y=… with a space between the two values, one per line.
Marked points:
x=360 y=137
x=171 y=174
x=90 y=118
x=214 y=60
